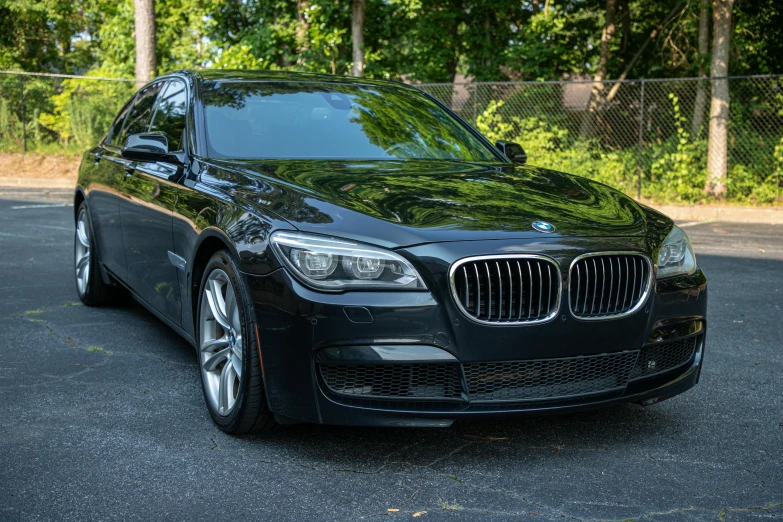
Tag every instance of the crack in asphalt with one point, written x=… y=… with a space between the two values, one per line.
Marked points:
x=717 y=514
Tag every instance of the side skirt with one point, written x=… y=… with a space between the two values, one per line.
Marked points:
x=182 y=333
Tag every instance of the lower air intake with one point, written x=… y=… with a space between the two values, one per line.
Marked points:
x=393 y=381
x=659 y=358
x=547 y=379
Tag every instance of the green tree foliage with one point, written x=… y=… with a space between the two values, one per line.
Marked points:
x=426 y=41
x=420 y=40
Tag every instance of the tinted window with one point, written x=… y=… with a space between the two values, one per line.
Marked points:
x=169 y=115
x=139 y=116
x=115 y=128
x=310 y=120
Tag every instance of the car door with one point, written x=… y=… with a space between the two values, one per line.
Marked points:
x=104 y=185
x=149 y=196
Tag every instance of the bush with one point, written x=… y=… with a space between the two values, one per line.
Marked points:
x=83 y=110
x=675 y=167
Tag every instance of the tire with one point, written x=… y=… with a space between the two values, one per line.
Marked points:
x=236 y=400
x=89 y=283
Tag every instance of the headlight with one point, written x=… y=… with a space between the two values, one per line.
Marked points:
x=676 y=255
x=336 y=264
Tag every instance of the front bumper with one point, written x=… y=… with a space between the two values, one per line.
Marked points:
x=298 y=326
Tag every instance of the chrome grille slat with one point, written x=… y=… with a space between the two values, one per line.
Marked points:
x=541 y=292
x=628 y=285
x=510 y=291
x=500 y=286
x=521 y=292
x=587 y=287
x=549 y=295
x=611 y=281
x=530 y=287
x=489 y=285
x=478 y=299
x=507 y=289
x=619 y=281
x=627 y=280
x=603 y=285
x=467 y=285
x=595 y=290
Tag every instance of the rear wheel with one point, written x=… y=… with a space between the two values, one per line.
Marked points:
x=89 y=284
x=228 y=353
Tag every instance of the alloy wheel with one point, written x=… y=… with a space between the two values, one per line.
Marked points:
x=82 y=252
x=221 y=342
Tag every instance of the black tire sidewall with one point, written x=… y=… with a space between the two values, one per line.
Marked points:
x=225 y=262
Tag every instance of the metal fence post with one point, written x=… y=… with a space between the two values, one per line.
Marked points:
x=641 y=137
x=24 y=124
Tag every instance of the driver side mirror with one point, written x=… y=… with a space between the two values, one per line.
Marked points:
x=513 y=151
x=149 y=147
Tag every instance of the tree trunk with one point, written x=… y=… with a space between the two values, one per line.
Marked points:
x=717 y=151
x=653 y=35
x=144 y=15
x=357 y=37
x=600 y=73
x=302 y=31
x=701 y=88
x=625 y=24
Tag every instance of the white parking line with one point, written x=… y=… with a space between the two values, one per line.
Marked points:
x=17 y=207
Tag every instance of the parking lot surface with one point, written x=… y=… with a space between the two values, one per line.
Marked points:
x=103 y=418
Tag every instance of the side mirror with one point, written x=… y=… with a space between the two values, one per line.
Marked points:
x=513 y=151
x=148 y=147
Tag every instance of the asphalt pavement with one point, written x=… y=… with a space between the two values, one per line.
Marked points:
x=102 y=417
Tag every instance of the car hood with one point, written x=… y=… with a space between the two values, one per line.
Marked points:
x=401 y=203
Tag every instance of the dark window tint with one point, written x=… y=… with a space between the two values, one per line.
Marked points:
x=169 y=115
x=310 y=120
x=115 y=128
x=139 y=116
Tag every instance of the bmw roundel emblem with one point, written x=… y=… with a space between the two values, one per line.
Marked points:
x=543 y=226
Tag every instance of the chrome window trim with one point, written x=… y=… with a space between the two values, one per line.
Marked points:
x=642 y=300
x=552 y=314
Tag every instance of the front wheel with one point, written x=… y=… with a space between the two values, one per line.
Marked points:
x=231 y=375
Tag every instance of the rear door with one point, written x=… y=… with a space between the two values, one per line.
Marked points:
x=147 y=206
x=104 y=184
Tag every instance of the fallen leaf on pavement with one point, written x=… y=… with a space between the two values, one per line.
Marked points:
x=487 y=437
x=419 y=513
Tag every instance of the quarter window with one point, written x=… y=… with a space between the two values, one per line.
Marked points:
x=169 y=117
x=116 y=127
x=138 y=120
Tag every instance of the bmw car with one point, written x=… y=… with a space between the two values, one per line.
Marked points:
x=350 y=251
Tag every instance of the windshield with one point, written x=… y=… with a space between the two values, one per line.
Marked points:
x=293 y=120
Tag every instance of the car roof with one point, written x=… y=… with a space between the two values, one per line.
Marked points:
x=282 y=76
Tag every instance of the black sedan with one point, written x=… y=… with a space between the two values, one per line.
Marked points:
x=350 y=251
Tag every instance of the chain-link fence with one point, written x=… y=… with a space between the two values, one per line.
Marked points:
x=648 y=138
x=54 y=113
